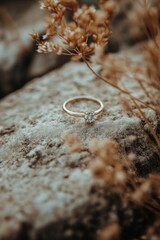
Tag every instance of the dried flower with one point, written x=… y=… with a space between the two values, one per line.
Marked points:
x=78 y=38
x=73 y=141
x=111 y=232
x=153 y=231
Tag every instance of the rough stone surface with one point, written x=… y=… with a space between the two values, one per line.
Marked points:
x=45 y=192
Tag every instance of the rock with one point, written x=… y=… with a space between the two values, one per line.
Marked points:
x=45 y=191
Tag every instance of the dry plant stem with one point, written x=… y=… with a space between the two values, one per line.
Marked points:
x=132 y=98
x=116 y=87
x=150 y=34
x=143 y=88
x=146 y=120
x=149 y=95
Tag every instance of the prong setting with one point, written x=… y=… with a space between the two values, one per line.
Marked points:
x=89 y=117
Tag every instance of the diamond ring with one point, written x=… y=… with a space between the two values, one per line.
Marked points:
x=89 y=116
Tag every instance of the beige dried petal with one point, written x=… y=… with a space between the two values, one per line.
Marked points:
x=110 y=232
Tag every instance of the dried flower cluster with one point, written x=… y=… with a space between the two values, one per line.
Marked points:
x=106 y=164
x=109 y=165
x=145 y=19
x=152 y=23
x=117 y=172
x=73 y=142
x=110 y=232
x=79 y=35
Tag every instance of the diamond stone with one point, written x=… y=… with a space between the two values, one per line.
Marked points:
x=89 y=117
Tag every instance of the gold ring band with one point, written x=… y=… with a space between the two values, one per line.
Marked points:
x=88 y=116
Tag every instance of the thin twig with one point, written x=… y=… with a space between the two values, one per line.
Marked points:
x=116 y=87
x=132 y=98
x=147 y=121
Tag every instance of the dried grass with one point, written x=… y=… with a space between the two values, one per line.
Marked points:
x=80 y=37
x=110 y=167
x=88 y=28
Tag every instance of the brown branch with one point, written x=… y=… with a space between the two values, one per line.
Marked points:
x=134 y=99
x=147 y=121
x=116 y=87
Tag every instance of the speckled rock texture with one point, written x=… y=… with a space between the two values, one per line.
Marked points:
x=46 y=192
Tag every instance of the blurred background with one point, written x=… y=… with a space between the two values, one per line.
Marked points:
x=19 y=62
